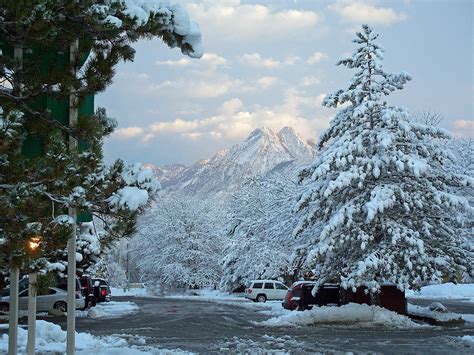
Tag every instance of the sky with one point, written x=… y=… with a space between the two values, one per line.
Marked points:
x=270 y=63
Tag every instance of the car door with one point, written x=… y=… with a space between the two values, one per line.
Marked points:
x=45 y=302
x=280 y=291
x=269 y=288
x=23 y=300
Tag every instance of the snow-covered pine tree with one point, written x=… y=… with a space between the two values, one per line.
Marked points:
x=36 y=189
x=378 y=191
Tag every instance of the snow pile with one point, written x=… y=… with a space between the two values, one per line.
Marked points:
x=468 y=340
x=50 y=338
x=445 y=291
x=269 y=308
x=112 y=309
x=350 y=313
x=267 y=344
x=441 y=317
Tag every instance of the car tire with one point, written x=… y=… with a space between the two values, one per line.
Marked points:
x=4 y=307
x=261 y=298
x=60 y=306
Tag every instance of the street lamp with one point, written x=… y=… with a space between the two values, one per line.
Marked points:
x=33 y=244
x=33 y=247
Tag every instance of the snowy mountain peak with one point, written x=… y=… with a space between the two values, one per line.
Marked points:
x=259 y=153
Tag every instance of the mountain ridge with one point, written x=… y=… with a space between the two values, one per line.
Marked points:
x=261 y=152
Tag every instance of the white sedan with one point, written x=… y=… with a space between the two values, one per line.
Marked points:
x=55 y=299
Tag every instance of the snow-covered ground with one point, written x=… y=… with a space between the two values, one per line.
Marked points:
x=445 y=291
x=50 y=338
x=444 y=317
x=139 y=292
x=348 y=314
x=203 y=294
x=209 y=295
x=467 y=340
x=110 y=309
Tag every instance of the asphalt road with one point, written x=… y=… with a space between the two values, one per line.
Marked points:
x=210 y=327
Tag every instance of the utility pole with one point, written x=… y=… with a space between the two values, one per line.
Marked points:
x=128 y=268
x=71 y=244
x=32 y=289
x=13 y=311
x=15 y=270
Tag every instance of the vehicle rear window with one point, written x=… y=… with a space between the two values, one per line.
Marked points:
x=257 y=285
x=280 y=287
x=269 y=285
x=101 y=282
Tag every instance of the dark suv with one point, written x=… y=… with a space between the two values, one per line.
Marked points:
x=102 y=291
x=87 y=291
x=300 y=296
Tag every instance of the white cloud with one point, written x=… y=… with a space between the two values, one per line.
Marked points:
x=359 y=12
x=463 y=128
x=256 y=60
x=175 y=63
x=128 y=133
x=212 y=60
x=266 y=81
x=291 y=60
x=231 y=20
x=233 y=122
x=195 y=87
x=316 y=57
x=310 y=81
x=231 y=106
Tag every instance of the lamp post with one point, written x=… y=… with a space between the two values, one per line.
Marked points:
x=32 y=248
x=71 y=243
x=14 y=270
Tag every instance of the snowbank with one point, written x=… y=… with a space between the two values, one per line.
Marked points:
x=440 y=317
x=349 y=313
x=467 y=340
x=112 y=309
x=270 y=308
x=50 y=338
x=445 y=291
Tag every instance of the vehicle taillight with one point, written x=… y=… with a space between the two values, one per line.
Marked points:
x=104 y=293
x=249 y=291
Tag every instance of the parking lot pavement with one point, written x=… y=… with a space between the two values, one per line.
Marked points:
x=216 y=327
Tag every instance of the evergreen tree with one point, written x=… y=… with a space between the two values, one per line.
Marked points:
x=378 y=198
x=38 y=185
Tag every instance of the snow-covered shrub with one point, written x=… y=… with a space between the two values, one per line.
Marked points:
x=178 y=244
